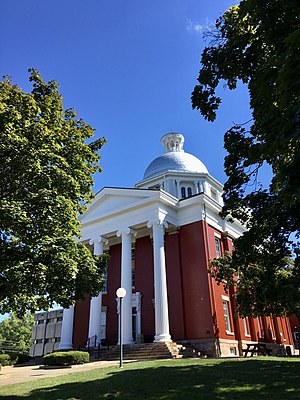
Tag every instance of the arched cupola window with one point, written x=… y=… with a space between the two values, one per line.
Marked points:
x=183 y=192
x=189 y=192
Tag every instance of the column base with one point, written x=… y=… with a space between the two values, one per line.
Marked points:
x=126 y=341
x=162 y=338
x=65 y=346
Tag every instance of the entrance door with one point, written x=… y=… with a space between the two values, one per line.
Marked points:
x=136 y=317
x=134 y=324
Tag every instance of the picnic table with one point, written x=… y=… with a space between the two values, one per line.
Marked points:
x=257 y=348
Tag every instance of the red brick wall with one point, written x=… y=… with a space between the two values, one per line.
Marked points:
x=144 y=283
x=218 y=290
x=195 y=285
x=287 y=330
x=81 y=322
x=109 y=299
x=227 y=243
x=283 y=330
x=294 y=324
x=174 y=281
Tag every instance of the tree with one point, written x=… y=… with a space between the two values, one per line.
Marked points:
x=45 y=182
x=16 y=332
x=258 y=43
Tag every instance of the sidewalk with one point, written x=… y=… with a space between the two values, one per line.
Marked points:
x=10 y=375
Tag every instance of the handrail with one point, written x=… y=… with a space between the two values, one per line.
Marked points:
x=91 y=342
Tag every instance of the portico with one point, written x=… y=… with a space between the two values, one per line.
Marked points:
x=155 y=228
x=148 y=219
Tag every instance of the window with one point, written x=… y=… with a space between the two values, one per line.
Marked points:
x=272 y=328
x=183 y=192
x=233 y=351
x=227 y=316
x=218 y=247
x=104 y=289
x=189 y=192
x=134 y=323
x=246 y=330
x=282 y=330
x=103 y=323
x=260 y=328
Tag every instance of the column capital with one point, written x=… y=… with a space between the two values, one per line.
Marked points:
x=98 y=239
x=157 y=222
x=126 y=231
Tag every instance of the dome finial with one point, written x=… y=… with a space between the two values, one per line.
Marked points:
x=172 y=141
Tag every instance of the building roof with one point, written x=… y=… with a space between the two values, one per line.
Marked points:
x=175 y=158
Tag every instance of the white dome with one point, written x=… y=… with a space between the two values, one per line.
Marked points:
x=175 y=159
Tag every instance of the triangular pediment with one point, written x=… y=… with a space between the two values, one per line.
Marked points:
x=112 y=201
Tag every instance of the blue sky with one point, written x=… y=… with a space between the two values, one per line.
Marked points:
x=128 y=68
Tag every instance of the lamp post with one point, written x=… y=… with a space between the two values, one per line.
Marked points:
x=121 y=293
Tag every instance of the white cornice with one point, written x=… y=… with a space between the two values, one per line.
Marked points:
x=174 y=174
x=117 y=208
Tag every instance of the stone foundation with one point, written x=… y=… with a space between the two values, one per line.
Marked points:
x=230 y=348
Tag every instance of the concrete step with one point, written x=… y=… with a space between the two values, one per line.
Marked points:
x=138 y=352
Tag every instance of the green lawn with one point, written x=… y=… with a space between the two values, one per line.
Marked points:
x=257 y=378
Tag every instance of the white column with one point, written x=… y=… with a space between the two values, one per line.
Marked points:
x=178 y=189
x=196 y=183
x=172 y=187
x=66 y=341
x=166 y=186
x=203 y=187
x=162 y=332
x=96 y=302
x=126 y=283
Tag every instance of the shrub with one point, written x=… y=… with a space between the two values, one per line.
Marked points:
x=22 y=358
x=66 y=358
x=8 y=359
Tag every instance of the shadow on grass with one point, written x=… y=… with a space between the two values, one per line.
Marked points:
x=239 y=379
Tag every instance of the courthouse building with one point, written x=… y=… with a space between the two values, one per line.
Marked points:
x=160 y=236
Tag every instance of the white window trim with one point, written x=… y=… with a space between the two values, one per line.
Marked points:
x=220 y=246
x=246 y=326
x=260 y=328
x=272 y=328
x=228 y=332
